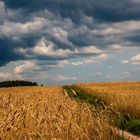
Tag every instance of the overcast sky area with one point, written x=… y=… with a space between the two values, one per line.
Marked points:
x=68 y=41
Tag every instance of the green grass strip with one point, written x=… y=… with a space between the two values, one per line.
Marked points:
x=123 y=121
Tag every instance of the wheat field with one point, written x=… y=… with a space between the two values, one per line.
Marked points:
x=44 y=113
x=123 y=96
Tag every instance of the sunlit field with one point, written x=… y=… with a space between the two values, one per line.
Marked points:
x=123 y=96
x=44 y=113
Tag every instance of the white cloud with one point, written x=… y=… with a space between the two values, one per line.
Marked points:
x=23 y=51
x=62 y=63
x=135 y=63
x=125 y=61
x=48 y=48
x=60 y=34
x=111 y=30
x=10 y=76
x=92 y=59
x=135 y=59
x=89 y=49
x=55 y=27
x=26 y=66
x=95 y=59
x=120 y=27
x=117 y=47
x=12 y=29
x=45 y=47
x=77 y=63
x=64 y=78
x=5 y=75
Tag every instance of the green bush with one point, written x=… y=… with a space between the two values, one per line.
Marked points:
x=128 y=124
x=133 y=126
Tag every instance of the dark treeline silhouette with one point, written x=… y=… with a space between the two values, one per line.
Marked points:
x=17 y=83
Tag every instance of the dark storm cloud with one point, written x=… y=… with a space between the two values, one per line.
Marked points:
x=133 y=37
x=7 y=53
x=67 y=24
x=110 y=10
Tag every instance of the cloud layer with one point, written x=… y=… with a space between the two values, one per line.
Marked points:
x=50 y=32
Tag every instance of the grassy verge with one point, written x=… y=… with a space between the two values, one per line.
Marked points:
x=123 y=121
x=130 y=125
x=82 y=96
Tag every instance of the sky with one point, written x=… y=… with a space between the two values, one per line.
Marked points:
x=62 y=41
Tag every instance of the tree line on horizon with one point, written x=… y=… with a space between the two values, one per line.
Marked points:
x=17 y=83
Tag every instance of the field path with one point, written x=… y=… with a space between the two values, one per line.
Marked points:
x=118 y=131
x=125 y=134
x=65 y=93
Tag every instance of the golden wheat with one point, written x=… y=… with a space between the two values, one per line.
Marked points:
x=43 y=113
x=123 y=96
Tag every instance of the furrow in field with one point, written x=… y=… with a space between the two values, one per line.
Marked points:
x=102 y=105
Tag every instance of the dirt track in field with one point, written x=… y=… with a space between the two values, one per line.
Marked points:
x=119 y=132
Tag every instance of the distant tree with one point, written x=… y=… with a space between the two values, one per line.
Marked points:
x=17 y=83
